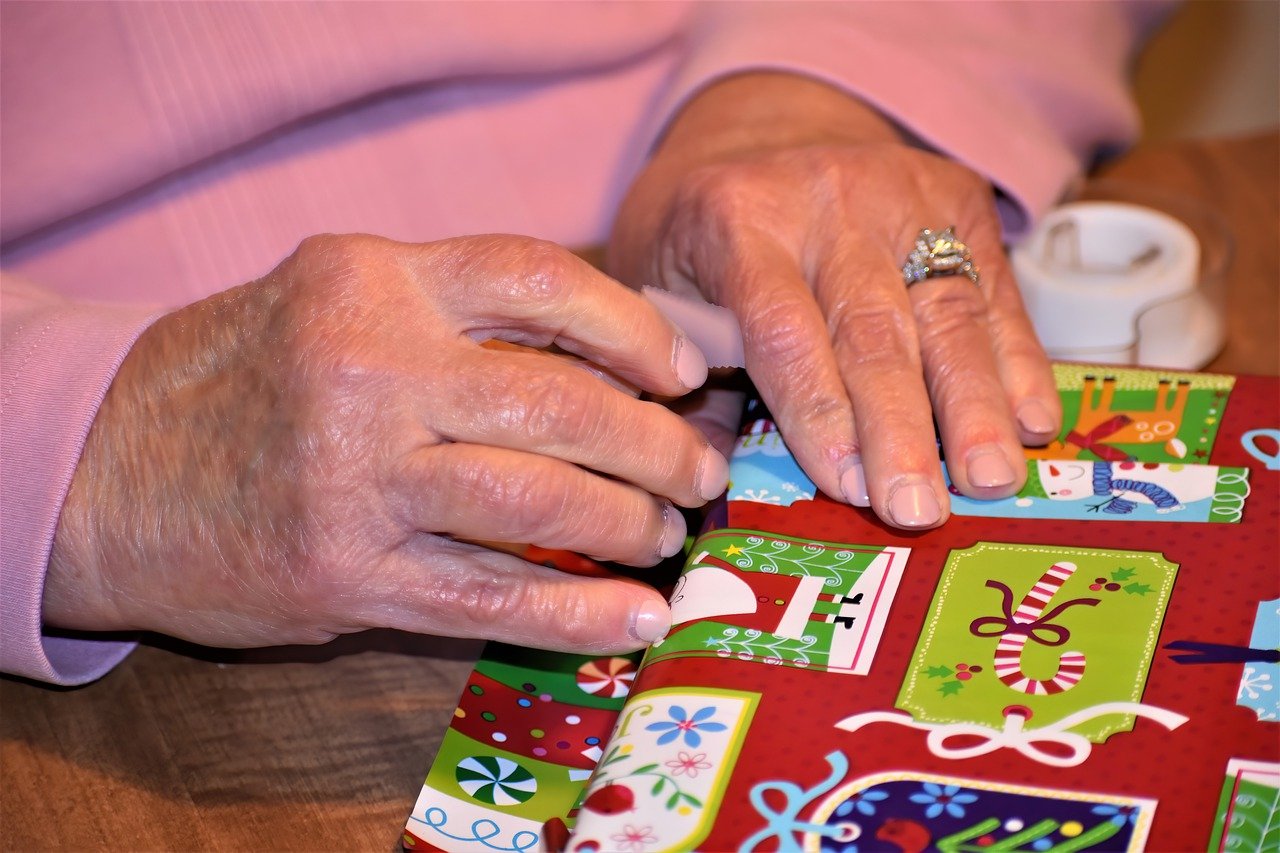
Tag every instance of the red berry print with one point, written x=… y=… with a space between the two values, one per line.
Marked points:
x=611 y=799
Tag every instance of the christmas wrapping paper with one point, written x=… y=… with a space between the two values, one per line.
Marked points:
x=1023 y=678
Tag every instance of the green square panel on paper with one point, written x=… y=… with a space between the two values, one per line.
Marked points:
x=758 y=597
x=1114 y=415
x=1048 y=631
x=1248 y=817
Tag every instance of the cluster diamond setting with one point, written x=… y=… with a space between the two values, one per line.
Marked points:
x=938 y=254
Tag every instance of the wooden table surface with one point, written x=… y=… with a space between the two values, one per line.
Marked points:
x=326 y=748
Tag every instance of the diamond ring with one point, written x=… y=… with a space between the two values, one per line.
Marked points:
x=938 y=254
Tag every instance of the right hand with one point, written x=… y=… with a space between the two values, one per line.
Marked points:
x=794 y=205
x=320 y=451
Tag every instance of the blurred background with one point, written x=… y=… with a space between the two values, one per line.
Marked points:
x=1213 y=70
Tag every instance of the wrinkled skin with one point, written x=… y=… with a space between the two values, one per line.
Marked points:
x=330 y=448
x=795 y=206
x=322 y=450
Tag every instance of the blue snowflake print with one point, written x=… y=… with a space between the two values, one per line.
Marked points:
x=863 y=801
x=943 y=798
x=1119 y=815
x=685 y=726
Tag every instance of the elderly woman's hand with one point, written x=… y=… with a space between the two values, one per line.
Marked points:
x=796 y=206
x=321 y=451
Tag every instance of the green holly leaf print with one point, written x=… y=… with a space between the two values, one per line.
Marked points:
x=1137 y=589
x=938 y=672
x=1123 y=574
x=948 y=688
x=614 y=755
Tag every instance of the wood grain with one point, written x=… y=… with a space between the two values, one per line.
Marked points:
x=287 y=749
x=325 y=749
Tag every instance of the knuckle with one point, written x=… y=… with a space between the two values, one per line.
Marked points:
x=329 y=325
x=321 y=281
x=320 y=248
x=720 y=194
x=490 y=598
x=779 y=333
x=544 y=272
x=875 y=329
x=828 y=415
x=332 y=257
x=558 y=404
x=521 y=502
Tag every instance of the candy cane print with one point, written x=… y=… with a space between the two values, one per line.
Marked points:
x=1008 y=655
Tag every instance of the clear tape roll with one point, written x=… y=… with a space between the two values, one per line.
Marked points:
x=1118 y=283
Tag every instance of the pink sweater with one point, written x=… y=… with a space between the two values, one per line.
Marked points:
x=154 y=153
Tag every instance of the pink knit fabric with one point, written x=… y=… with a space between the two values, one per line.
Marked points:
x=155 y=153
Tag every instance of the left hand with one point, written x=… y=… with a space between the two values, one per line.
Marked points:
x=795 y=206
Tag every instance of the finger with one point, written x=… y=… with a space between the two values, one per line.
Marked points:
x=587 y=367
x=537 y=293
x=716 y=413
x=874 y=341
x=1024 y=367
x=474 y=492
x=436 y=586
x=982 y=448
x=790 y=360
x=524 y=401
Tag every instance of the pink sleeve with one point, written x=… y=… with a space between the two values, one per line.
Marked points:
x=1026 y=94
x=57 y=358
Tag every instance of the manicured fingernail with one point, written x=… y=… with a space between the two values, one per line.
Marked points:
x=853 y=482
x=1034 y=417
x=691 y=364
x=713 y=474
x=988 y=467
x=673 y=532
x=913 y=504
x=651 y=622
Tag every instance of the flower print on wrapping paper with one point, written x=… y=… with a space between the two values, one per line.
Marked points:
x=688 y=765
x=686 y=725
x=634 y=839
x=863 y=802
x=940 y=798
x=1119 y=815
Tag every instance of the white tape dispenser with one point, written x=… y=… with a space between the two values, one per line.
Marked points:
x=1117 y=283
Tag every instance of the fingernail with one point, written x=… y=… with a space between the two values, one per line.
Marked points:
x=913 y=504
x=988 y=467
x=1034 y=417
x=713 y=474
x=673 y=532
x=651 y=622
x=691 y=364
x=853 y=482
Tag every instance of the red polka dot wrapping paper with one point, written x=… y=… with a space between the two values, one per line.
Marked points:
x=1144 y=784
